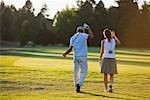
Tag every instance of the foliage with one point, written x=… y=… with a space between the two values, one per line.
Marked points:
x=127 y=20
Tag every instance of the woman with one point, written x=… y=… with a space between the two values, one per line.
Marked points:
x=108 y=64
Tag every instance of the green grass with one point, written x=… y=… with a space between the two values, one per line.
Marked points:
x=42 y=73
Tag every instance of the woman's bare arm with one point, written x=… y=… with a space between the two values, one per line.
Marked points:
x=116 y=38
x=102 y=50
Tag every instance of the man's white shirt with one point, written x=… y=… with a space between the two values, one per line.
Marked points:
x=79 y=43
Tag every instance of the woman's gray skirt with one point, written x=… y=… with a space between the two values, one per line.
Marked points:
x=109 y=66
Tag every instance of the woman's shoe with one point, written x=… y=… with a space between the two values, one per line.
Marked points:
x=105 y=90
x=110 y=90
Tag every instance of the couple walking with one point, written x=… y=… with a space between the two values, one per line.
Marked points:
x=78 y=43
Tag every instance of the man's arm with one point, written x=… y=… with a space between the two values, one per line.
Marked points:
x=86 y=26
x=90 y=33
x=68 y=51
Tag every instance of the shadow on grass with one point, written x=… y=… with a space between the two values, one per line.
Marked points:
x=92 y=94
x=133 y=54
x=131 y=95
x=58 y=55
x=99 y=95
x=95 y=51
x=31 y=51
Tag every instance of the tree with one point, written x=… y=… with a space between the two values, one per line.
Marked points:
x=6 y=22
x=85 y=12
x=128 y=15
x=26 y=13
x=100 y=22
x=45 y=31
x=28 y=6
x=66 y=24
x=24 y=35
x=144 y=25
x=130 y=23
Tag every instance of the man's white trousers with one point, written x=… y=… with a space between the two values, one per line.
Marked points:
x=80 y=69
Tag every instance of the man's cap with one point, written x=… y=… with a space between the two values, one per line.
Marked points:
x=80 y=28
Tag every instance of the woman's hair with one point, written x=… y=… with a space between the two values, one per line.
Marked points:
x=107 y=34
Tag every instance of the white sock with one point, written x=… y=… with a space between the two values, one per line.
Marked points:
x=111 y=84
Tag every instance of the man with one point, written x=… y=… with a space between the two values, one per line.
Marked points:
x=78 y=42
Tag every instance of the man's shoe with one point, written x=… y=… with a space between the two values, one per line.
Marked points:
x=77 y=88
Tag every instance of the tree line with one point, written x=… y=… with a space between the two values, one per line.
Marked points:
x=132 y=25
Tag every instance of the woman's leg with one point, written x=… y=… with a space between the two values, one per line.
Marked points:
x=111 y=79
x=111 y=82
x=105 y=81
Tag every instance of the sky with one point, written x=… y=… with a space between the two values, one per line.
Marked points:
x=57 y=5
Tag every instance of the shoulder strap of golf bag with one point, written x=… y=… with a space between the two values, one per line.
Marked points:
x=75 y=39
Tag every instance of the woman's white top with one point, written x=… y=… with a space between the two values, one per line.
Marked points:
x=109 y=46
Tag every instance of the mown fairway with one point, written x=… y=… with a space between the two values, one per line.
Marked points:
x=43 y=74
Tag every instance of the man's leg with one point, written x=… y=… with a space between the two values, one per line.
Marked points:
x=84 y=67
x=76 y=71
